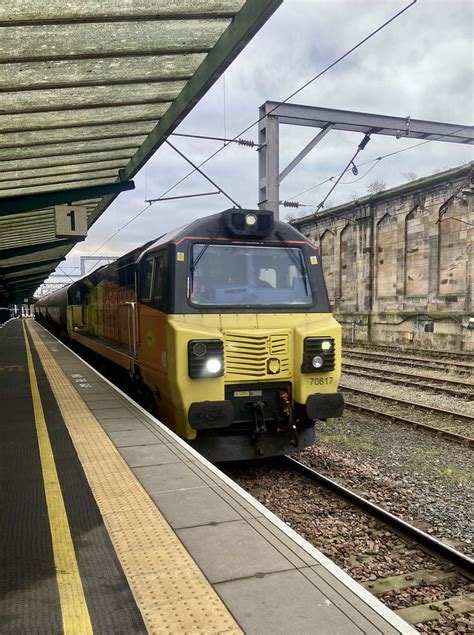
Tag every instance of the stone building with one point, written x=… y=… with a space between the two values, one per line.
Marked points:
x=399 y=264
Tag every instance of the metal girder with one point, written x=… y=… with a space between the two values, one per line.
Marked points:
x=300 y=115
x=268 y=163
x=306 y=150
x=272 y=114
x=242 y=28
x=96 y=259
x=17 y=204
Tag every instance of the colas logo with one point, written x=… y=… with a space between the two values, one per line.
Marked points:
x=150 y=338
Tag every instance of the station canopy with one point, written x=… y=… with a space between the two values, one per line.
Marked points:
x=90 y=89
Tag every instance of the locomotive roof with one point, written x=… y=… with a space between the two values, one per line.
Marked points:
x=213 y=227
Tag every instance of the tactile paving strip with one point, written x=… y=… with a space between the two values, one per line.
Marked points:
x=170 y=590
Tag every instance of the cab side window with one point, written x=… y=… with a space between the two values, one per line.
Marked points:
x=154 y=280
x=147 y=280
x=159 y=279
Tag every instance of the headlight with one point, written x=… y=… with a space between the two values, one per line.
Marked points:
x=213 y=366
x=251 y=220
x=318 y=355
x=205 y=358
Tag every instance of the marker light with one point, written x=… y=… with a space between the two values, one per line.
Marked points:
x=214 y=365
x=326 y=345
x=199 y=349
x=251 y=220
x=317 y=361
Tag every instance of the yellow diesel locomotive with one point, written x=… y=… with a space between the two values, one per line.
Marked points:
x=224 y=324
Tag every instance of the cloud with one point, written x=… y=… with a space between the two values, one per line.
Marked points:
x=420 y=65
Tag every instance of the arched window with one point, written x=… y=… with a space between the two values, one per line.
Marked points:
x=386 y=257
x=454 y=237
x=416 y=254
x=327 y=262
x=348 y=263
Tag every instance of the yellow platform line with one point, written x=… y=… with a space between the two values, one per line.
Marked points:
x=169 y=588
x=74 y=611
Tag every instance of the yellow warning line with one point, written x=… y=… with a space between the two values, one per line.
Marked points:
x=170 y=590
x=74 y=611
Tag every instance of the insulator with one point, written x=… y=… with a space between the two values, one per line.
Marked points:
x=246 y=142
x=290 y=204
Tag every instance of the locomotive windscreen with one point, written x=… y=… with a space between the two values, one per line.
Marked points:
x=244 y=275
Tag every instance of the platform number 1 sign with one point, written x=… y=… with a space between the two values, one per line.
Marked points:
x=71 y=220
x=72 y=216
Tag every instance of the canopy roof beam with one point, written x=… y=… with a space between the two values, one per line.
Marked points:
x=15 y=252
x=16 y=204
x=8 y=269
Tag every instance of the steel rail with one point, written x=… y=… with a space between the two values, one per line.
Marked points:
x=437 y=388
x=414 y=361
x=451 y=382
x=451 y=355
x=406 y=402
x=455 y=557
x=447 y=434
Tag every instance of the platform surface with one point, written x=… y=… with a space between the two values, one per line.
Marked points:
x=160 y=540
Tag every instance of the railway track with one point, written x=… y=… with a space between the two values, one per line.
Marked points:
x=454 y=387
x=447 y=434
x=457 y=558
x=459 y=563
x=463 y=368
x=412 y=404
x=440 y=354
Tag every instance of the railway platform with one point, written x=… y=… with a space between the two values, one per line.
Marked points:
x=112 y=524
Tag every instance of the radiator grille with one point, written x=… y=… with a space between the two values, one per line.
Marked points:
x=248 y=355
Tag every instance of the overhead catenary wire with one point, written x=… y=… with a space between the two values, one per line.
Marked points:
x=150 y=203
x=361 y=178
x=242 y=142
x=360 y=147
x=305 y=85
x=65 y=274
x=174 y=198
x=375 y=161
x=198 y=169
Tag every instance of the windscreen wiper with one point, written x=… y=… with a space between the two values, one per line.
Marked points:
x=201 y=254
x=299 y=265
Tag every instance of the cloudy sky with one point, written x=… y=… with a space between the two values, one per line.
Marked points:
x=420 y=65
